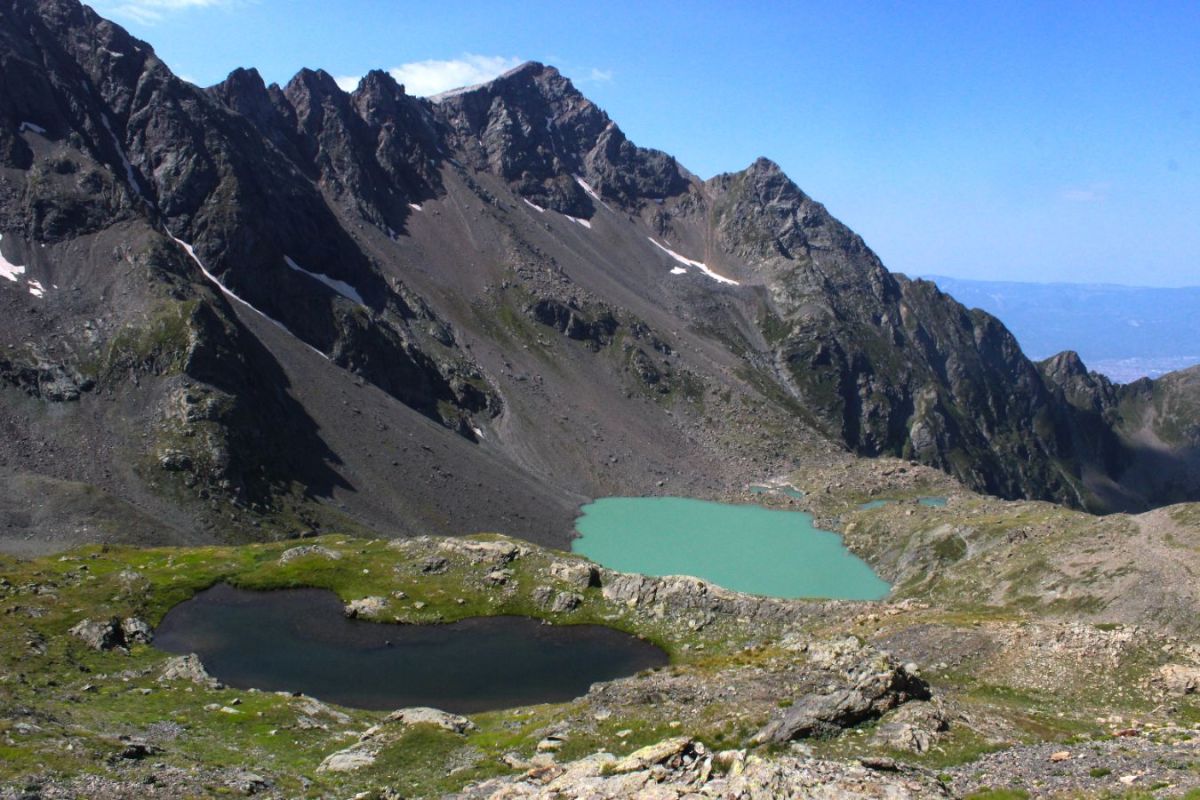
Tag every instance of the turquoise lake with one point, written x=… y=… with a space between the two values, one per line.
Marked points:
x=746 y=548
x=784 y=490
x=930 y=502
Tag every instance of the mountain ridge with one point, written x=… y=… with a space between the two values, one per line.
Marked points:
x=470 y=263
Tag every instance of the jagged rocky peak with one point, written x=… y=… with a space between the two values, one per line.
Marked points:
x=378 y=94
x=533 y=128
x=1067 y=375
x=1065 y=365
x=244 y=91
x=311 y=92
x=53 y=48
x=762 y=214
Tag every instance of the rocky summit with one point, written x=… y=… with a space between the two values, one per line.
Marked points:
x=237 y=316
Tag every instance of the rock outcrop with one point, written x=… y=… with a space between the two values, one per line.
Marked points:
x=681 y=768
x=871 y=684
x=113 y=634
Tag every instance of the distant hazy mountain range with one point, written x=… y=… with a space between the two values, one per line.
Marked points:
x=1124 y=332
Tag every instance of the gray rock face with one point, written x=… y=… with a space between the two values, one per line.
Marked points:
x=578 y=575
x=348 y=760
x=188 y=668
x=113 y=634
x=431 y=716
x=365 y=607
x=306 y=550
x=535 y=130
x=1179 y=679
x=496 y=554
x=880 y=687
x=683 y=593
x=100 y=634
x=137 y=630
x=914 y=727
x=680 y=768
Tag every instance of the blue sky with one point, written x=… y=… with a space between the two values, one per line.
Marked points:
x=995 y=140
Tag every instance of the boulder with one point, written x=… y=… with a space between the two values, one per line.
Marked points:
x=653 y=754
x=497 y=553
x=366 y=607
x=137 y=749
x=1179 y=679
x=565 y=601
x=188 y=668
x=420 y=715
x=434 y=565
x=348 y=760
x=869 y=696
x=308 y=550
x=913 y=727
x=312 y=707
x=100 y=634
x=578 y=575
x=247 y=783
x=137 y=630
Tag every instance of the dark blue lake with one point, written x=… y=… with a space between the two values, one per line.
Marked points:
x=298 y=640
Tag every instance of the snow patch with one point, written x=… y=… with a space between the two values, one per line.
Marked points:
x=478 y=432
x=679 y=270
x=9 y=270
x=16 y=273
x=534 y=206
x=415 y=206
x=589 y=191
x=585 y=223
x=187 y=248
x=341 y=287
x=129 y=176
x=31 y=126
x=691 y=263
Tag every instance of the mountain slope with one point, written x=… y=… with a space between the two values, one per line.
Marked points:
x=261 y=309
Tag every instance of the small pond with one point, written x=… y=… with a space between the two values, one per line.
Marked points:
x=747 y=548
x=930 y=502
x=784 y=489
x=873 y=504
x=298 y=640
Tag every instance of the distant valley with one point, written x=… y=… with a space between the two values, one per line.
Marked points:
x=1123 y=332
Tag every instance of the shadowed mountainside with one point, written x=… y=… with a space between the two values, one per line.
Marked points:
x=250 y=310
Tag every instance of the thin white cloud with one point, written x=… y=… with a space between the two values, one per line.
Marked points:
x=1093 y=193
x=149 y=12
x=600 y=75
x=433 y=76
x=424 y=78
x=347 y=83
